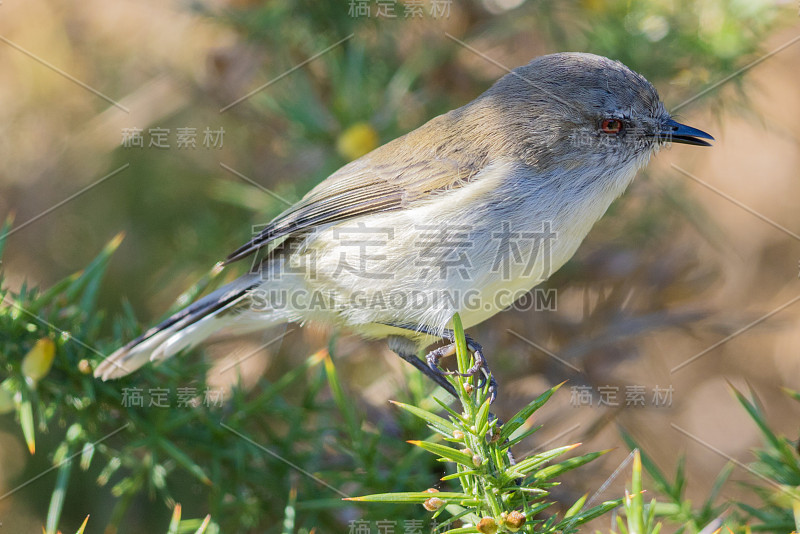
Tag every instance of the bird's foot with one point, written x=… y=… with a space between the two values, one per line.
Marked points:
x=479 y=369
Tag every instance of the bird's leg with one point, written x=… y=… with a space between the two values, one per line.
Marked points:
x=435 y=374
x=403 y=347
x=480 y=367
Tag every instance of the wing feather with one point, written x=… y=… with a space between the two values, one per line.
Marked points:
x=363 y=187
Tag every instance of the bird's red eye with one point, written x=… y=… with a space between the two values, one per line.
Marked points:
x=611 y=126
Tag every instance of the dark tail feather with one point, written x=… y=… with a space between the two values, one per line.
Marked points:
x=184 y=329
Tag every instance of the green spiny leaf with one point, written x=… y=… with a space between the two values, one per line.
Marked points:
x=175 y=520
x=634 y=503
x=25 y=412
x=83 y=525
x=591 y=513
x=462 y=353
x=88 y=281
x=482 y=418
x=446 y=452
x=560 y=468
x=439 y=424
x=59 y=492
x=780 y=445
x=290 y=512
x=520 y=417
x=183 y=459
x=661 y=481
x=417 y=497
x=529 y=464
x=346 y=407
x=575 y=508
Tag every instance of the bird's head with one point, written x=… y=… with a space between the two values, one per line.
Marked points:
x=577 y=110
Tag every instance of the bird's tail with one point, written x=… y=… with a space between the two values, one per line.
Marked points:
x=182 y=330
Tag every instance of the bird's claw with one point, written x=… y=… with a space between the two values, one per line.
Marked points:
x=480 y=368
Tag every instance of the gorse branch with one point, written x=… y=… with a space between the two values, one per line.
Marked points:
x=497 y=494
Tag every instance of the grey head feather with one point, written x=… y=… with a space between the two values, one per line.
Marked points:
x=548 y=112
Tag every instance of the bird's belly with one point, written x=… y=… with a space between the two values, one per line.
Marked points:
x=389 y=269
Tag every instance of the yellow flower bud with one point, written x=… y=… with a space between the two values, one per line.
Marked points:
x=357 y=140
x=487 y=525
x=433 y=504
x=39 y=359
x=85 y=367
x=514 y=521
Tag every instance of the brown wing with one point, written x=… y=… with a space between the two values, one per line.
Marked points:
x=362 y=188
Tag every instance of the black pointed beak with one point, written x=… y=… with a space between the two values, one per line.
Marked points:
x=676 y=132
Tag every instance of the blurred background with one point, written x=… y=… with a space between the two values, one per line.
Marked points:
x=134 y=111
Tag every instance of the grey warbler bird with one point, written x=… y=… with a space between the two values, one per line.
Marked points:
x=464 y=214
